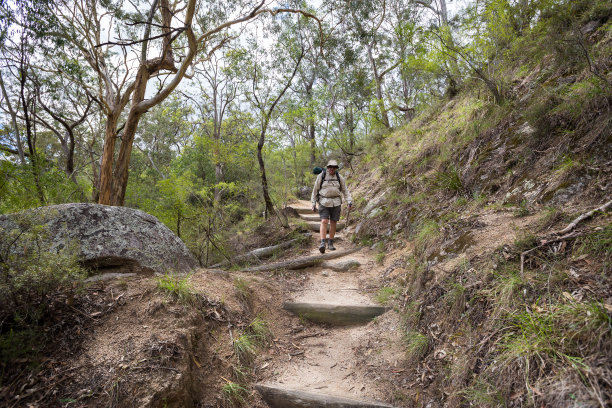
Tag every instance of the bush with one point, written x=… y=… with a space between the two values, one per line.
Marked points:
x=32 y=278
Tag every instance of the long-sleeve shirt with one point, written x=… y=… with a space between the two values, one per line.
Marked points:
x=330 y=192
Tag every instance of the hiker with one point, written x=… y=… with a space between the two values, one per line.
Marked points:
x=328 y=191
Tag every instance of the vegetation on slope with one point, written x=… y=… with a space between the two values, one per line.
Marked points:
x=533 y=332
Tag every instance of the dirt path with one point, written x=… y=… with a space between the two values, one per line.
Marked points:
x=325 y=365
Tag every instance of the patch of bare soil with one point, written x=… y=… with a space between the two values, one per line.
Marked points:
x=141 y=347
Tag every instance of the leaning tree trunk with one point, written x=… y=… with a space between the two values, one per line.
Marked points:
x=262 y=169
x=379 y=94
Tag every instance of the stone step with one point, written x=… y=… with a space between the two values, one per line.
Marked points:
x=315 y=226
x=339 y=315
x=302 y=210
x=281 y=397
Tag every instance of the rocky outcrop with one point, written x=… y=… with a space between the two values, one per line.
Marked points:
x=106 y=237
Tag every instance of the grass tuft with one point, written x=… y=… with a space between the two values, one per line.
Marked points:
x=243 y=289
x=235 y=393
x=245 y=348
x=385 y=294
x=416 y=346
x=177 y=286
x=260 y=330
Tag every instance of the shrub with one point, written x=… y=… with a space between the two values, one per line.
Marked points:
x=32 y=278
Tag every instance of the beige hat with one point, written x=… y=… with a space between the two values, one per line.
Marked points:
x=332 y=163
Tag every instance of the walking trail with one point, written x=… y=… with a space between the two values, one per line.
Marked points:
x=326 y=371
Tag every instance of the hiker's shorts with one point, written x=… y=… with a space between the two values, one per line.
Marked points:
x=331 y=213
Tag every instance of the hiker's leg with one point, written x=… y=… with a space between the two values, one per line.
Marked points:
x=323 y=229
x=332 y=229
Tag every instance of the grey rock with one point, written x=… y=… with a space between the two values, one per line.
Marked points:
x=375 y=202
x=305 y=192
x=341 y=266
x=104 y=236
x=325 y=273
x=375 y=212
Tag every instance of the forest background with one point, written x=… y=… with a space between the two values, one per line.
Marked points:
x=210 y=115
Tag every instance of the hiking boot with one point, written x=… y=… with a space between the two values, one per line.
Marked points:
x=322 y=247
x=330 y=245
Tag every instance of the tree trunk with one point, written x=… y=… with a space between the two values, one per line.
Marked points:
x=262 y=169
x=106 y=167
x=120 y=176
x=29 y=136
x=379 y=93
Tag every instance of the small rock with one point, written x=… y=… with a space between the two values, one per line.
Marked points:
x=325 y=273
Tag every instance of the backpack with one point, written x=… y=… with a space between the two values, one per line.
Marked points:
x=319 y=170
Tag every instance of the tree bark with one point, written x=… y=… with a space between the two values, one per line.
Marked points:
x=108 y=154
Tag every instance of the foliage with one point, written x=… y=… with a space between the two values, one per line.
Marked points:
x=260 y=330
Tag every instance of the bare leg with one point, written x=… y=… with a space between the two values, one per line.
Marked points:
x=332 y=229
x=323 y=229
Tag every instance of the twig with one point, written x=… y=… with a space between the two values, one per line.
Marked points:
x=583 y=217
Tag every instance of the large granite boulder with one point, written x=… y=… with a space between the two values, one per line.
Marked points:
x=105 y=237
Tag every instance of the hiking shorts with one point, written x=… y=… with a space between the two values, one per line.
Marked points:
x=330 y=213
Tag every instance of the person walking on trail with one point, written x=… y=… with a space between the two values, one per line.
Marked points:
x=327 y=192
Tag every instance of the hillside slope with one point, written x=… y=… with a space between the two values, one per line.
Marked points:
x=464 y=203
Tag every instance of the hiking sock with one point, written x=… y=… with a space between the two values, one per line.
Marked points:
x=330 y=245
x=322 y=246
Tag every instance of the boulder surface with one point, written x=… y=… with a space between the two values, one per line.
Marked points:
x=107 y=237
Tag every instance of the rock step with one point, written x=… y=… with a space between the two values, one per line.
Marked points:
x=280 y=397
x=339 y=315
x=310 y=217
x=315 y=226
x=302 y=210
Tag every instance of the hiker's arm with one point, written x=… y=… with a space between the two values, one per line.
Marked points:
x=315 y=192
x=347 y=193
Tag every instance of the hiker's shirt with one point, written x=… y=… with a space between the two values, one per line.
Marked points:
x=330 y=192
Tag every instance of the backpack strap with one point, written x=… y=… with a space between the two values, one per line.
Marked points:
x=323 y=179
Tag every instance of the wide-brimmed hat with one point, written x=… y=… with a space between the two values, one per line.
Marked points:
x=332 y=163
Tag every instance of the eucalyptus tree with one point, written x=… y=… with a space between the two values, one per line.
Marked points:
x=219 y=86
x=270 y=73
x=20 y=35
x=63 y=109
x=370 y=21
x=132 y=45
